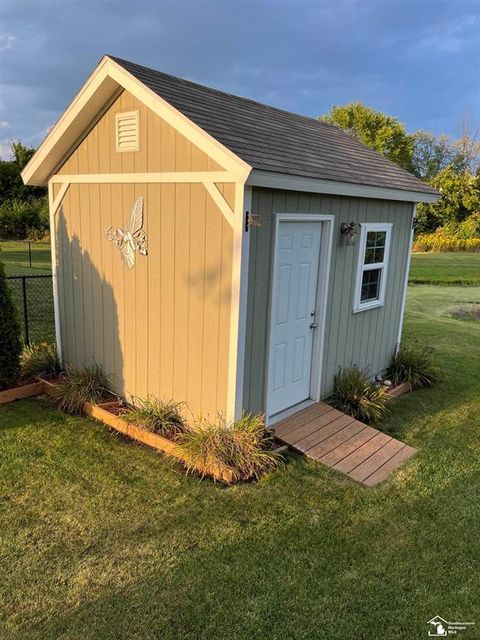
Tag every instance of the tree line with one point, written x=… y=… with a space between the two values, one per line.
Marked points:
x=23 y=210
x=452 y=166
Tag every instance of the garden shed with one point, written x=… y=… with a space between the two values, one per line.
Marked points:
x=215 y=250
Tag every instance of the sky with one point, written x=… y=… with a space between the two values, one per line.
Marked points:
x=416 y=59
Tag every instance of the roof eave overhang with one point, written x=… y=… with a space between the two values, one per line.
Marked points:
x=290 y=182
x=106 y=80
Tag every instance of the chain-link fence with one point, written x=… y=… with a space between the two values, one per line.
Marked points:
x=33 y=298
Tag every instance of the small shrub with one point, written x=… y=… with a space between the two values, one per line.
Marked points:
x=243 y=448
x=78 y=386
x=415 y=363
x=356 y=396
x=445 y=241
x=20 y=219
x=164 y=417
x=10 y=336
x=40 y=359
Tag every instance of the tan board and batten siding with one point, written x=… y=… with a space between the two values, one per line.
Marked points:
x=367 y=338
x=163 y=327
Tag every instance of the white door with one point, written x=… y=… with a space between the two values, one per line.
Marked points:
x=295 y=279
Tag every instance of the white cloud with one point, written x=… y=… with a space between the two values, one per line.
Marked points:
x=4 y=124
x=6 y=42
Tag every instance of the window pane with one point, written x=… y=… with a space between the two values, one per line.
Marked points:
x=375 y=248
x=370 y=285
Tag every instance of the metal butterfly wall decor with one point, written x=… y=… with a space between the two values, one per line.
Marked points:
x=133 y=238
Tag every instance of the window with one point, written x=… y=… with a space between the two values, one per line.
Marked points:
x=373 y=254
x=126 y=134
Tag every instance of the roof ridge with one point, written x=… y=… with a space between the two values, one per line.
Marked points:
x=235 y=121
x=227 y=93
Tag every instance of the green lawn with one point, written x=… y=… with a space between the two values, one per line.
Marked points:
x=15 y=256
x=445 y=268
x=102 y=538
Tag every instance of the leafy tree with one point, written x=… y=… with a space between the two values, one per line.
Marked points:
x=431 y=154
x=460 y=199
x=23 y=210
x=20 y=219
x=11 y=183
x=380 y=132
x=467 y=153
x=10 y=341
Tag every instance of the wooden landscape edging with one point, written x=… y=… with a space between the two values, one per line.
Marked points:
x=19 y=393
x=153 y=440
x=48 y=387
x=400 y=390
x=100 y=413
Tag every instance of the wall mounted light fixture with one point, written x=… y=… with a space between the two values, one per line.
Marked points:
x=349 y=231
x=252 y=220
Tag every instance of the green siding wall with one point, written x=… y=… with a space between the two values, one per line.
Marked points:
x=368 y=338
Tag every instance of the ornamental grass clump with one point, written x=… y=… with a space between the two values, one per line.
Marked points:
x=10 y=336
x=78 y=386
x=164 y=417
x=242 y=450
x=356 y=396
x=40 y=359
x=415 y=363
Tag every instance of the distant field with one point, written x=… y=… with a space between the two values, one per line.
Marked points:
x=15 y=257
x=445 y=268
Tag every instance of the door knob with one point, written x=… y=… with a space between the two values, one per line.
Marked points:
x=313 y=325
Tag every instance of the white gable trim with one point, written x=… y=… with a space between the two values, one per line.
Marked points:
x=83 y=110
x=314 y=185
x=204 y=141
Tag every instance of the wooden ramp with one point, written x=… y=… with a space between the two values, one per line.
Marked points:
x=343 y=443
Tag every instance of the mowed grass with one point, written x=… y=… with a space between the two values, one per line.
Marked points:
x=39 y=292
x=445 y=268
x=102 y=538
x=15 y=257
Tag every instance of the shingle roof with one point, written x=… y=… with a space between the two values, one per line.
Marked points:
x=270 y=139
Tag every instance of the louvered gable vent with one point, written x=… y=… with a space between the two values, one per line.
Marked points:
x=127 y=136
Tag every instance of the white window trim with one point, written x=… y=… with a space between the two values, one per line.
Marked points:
x=365 y=227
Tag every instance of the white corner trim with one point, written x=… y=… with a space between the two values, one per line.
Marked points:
x=405 y=282
x=326 y=243
x=243 y=302
x=235 y=309
x=365 y=227
x=314 y=185
x=54 y=205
